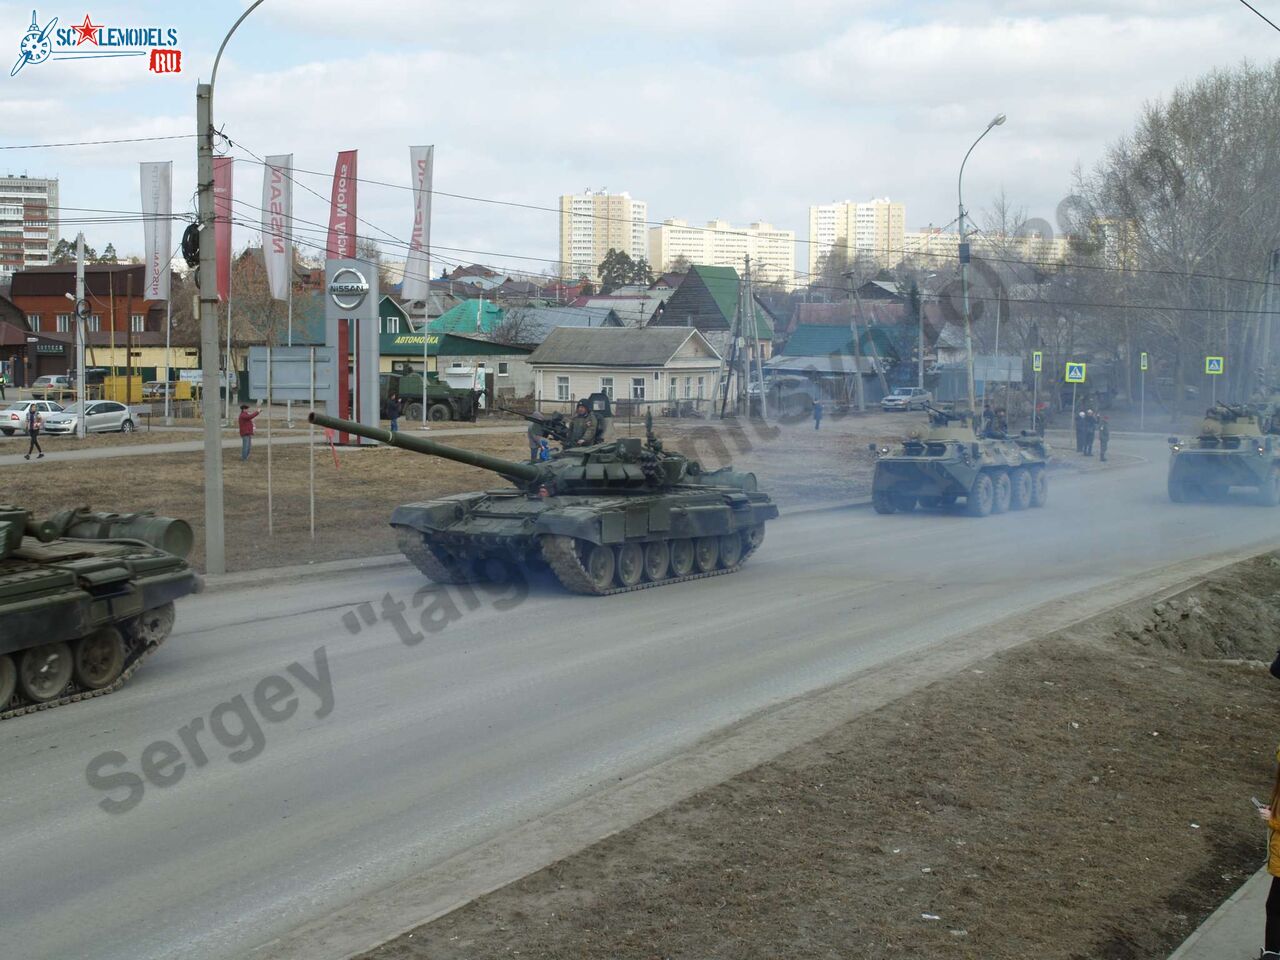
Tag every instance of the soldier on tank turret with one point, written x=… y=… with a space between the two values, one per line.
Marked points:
x=582 y=429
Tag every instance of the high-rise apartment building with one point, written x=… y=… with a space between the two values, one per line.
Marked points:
x=593 y=223
x=721 y=244
x=874 y=228
x=935 y=247
x=28 y=223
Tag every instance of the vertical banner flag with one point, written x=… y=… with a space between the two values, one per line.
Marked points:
x=157 y=226
x=277 y=222
x=417 y=268
x=222 y=167
x=342 y=208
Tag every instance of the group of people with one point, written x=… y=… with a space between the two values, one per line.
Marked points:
x=1092 y=426
x=582 y=430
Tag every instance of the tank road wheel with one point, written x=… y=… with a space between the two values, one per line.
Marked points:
x=1039 y=487
x=981 y=496
x=437 y=411
x=706 y=551
x=1269 y=489
x=1019 y=488
x=43 y=672
x=657 y=560
x=629 y=564
x=8 y=680
x=882 y=501
x=599 y=566
x=99 y=659
x=155 y=624
x=904 y=502
x=730 y=550
x=681 y=557
x=1003 y=492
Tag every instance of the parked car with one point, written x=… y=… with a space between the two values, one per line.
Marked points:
x=52 y=388
x=906 y=398
x=100 y=416
x=13 y=418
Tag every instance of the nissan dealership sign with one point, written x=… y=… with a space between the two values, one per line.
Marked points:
x=348 y=288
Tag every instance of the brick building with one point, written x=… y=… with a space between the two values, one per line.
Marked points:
x=114 y=292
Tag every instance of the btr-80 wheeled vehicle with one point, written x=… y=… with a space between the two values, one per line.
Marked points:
x=604 y=517
x=1231 y=450
x=84 y=598
x=947 y=460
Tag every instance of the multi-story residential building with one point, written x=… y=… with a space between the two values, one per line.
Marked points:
x=593 y=223
x=874 y=228
x=942 y=247
x=28 y=223
x=721 y=244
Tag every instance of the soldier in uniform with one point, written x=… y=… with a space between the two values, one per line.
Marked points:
x=1104 y=437
x=582 y=429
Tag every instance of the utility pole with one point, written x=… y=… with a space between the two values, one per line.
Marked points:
x=755 y=327
x=214 y=533
x=128 y=340
x=1268 y=319
x=81 y=335
x=859 y=388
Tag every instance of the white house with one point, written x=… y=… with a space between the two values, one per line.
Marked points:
x=636 y=367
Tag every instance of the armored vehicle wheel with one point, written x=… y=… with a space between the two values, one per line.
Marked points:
x=413 y=411
x=681 y=557
x=155 y=624
x=657 y=560
x=8 y=680
x=904 y=502
x=706 y=551
x=882 y=501
x=730 y=550
x=600 y=565
x=1003 y=492
x=437 y=411
x=1019 y=488
x=43 y=672
x=629 y=564
x=1269 y=490
x=99 y=659
x=1039 y=487
x=981 y=496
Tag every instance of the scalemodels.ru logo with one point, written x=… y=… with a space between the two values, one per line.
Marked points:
x=89 y=41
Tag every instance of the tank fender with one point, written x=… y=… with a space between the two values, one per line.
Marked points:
x=430 y=515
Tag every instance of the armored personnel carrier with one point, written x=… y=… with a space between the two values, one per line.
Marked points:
x=606 y=517
x=1231 y=450
x=84 y=599
x=947 y=460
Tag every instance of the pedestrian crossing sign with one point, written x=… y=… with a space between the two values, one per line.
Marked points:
x=1075 y=372
x=1142 y=364
x=1213 y=365
x=1037 y=361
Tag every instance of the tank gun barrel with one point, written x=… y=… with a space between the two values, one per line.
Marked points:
x=513 y=471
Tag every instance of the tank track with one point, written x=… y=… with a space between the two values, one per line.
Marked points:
x=140 y=652
x=561 y=555
x=421 y=556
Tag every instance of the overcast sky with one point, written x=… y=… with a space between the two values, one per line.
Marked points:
x=738 y=109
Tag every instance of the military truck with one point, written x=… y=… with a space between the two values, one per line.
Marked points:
x=947 y=460
x=442 y=401
x=1231 y=450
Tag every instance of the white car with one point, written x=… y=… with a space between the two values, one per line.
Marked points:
x=100 y=416
x=906 y=398
x=13 y=418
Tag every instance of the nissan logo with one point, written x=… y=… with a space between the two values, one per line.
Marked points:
x=348 y=288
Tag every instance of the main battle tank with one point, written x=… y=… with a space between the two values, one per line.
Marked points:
x=947 y=460
x=605 y=518
x=1231 y=450
x=84 y=599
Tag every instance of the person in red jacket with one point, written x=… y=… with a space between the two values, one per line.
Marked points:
x=246 y=429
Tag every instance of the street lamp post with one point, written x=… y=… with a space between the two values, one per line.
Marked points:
x=964 y=261
x=215 y=554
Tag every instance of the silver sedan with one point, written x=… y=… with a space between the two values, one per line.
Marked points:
x=100 y=416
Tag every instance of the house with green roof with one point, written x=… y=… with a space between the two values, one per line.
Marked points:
x=708 y=301
x=469 y=318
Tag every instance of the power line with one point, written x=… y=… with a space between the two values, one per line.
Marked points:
x=1260 y=14
x=95 y=143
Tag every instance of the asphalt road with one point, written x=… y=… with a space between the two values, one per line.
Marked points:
x=507 y=713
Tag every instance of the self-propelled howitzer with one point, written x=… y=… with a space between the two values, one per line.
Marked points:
x=614 y=516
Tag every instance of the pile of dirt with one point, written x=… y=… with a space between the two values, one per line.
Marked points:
x=1082 y=796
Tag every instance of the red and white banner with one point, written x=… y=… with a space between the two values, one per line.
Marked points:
x=157 y=226
x=277 y=222
x=222 y=167
x=342 y=208
x=417 y=267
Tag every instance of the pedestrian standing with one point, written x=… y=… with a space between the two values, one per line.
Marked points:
x=1090 y=428
x=33 y=431
x=392 y=410
x=1271 y=938
x=1080 y=432
x=3 y=376
x=817 y=414
x=1104 y=437
x=246 y=429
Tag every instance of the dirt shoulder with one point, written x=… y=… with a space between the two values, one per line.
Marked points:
x=1081 y=796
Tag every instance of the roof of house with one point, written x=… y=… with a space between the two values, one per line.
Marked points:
x=616 y=346
x=836 y=364
x=708 y=300
x=100 y=279
x=820 y=340
x=473 y=316
x=634 y=309
x=534 y=324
